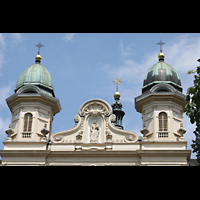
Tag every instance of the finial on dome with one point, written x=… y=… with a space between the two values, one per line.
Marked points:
x=117 y=81
x=38 y=57
x=117 y=95
x=161 y=55
x=39 y=46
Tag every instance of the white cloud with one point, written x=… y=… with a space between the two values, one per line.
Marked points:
x=2 y=61
x=125 y=51
x=4 y=124
x=181 y=53
x=2 y=40
x=2 y=48
x=16 y=39
x=68 y=37
x=5 y=92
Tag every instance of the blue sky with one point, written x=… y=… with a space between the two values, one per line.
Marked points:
x=84 y=65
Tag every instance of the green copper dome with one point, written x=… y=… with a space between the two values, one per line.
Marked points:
x=37 y=75
x=161 y=72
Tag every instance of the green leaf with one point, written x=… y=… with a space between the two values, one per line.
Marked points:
x=198 y=69
x=191 y=90
x=192 y=120
x=187 y=98
x=190 y=72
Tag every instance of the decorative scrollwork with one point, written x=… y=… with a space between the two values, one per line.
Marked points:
x=108 y=136
x=77 y=119
x=79 y=137
x=129 y=138
x=95 y=107
x=113 y=118
x=58 y=138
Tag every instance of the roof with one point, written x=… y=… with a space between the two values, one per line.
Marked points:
x=38 y=75
x=162 y=72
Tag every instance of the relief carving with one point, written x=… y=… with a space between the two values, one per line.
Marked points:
x=95 y=107
x=129 y=138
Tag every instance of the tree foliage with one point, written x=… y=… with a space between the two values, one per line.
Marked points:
x=192 y=109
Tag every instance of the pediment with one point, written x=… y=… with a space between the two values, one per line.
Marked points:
x=94 y=126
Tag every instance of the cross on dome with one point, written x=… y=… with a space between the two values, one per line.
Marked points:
x=39 y=46
x=117 y=82
x=160 y=43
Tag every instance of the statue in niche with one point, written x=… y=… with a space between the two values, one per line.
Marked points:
x=94 y=132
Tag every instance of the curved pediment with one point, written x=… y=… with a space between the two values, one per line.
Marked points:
x=94 y=125
x=95 y=107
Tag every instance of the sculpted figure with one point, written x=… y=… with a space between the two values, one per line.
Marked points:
x=94 y=132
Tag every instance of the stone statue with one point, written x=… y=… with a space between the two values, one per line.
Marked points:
x=94 y=132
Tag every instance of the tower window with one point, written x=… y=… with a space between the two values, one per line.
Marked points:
x=28 y=118
x=162 y=121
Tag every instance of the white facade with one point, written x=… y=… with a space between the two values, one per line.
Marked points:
x=73 y=147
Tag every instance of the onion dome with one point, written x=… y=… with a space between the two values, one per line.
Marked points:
x=161 y=72
x=37 y=75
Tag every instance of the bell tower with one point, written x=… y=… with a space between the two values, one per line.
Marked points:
x=161 y=103
x=33 y=107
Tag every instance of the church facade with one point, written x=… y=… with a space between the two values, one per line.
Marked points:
x=98 y=137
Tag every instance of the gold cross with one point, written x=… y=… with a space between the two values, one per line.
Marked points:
x=117 y=81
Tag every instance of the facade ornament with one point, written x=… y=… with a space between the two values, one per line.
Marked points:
x=181 y=131
x=129 y=138
x=144 y=131
x=9 y=132
x=76 y=120
x=108 y=136
x=113 y=119
x=95 y=107
x=58 y=138
x=79 y=136
x=44 y=131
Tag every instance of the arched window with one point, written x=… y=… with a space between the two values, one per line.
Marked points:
x=162 y=121
x=28 y=118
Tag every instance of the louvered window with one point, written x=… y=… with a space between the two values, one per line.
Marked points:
x=28 y=118
x=163 y=121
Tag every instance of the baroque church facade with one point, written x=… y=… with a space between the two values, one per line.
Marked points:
x=98 y=137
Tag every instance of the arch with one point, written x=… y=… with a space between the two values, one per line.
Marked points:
x=29 y=89
x=163 y=121
x=162 y=87
x=28 y=120
x=101 y=106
